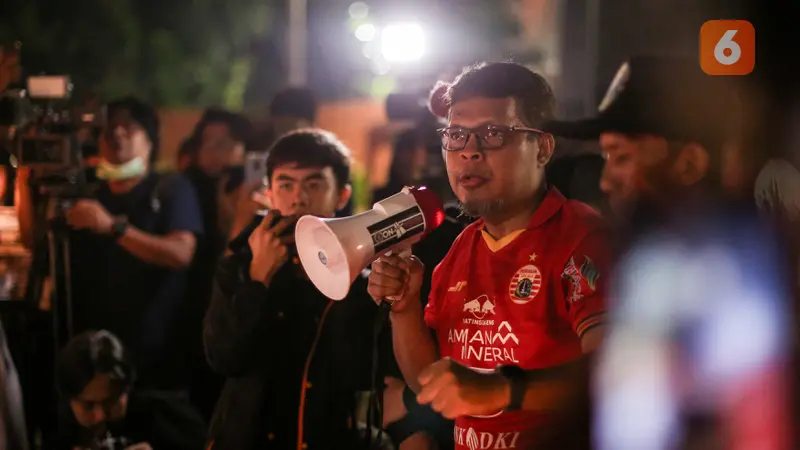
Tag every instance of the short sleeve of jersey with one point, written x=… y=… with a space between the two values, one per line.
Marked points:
x=435 y=298
x=585 y=281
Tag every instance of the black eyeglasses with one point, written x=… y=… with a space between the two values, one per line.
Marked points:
x=489 y=137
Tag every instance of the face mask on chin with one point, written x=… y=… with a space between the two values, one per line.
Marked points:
x=121 y=172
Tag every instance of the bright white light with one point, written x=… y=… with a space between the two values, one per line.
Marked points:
x=358 y=10
x=380 y=67
x=366 y=32
x=402 y=42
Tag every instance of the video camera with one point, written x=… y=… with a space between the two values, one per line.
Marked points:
x=45 y=130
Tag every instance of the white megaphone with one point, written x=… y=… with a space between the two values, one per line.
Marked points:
x=335 y=251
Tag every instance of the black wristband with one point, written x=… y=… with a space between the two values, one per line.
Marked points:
x=517 y=381
x=410 y=399
x=118 y=228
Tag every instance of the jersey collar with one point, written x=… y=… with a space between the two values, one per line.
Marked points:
x=551 y=204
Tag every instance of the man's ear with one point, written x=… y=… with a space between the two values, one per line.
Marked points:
x=691 y=164
x=547 y=146
x=344 y=196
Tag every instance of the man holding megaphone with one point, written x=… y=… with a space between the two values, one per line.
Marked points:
x=521 y=289
x=294 y=360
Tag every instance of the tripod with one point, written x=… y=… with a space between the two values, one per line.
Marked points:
x=61 y=300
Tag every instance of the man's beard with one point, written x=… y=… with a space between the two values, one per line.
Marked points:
x=483 y=208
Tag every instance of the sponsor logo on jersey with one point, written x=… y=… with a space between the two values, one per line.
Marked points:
x=484 y=440
x=494 y=346
x=479 y=308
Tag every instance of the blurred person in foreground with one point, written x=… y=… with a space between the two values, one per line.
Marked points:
x=697 y=351
x=294 y=360
x=101 y=409
x=522 y=288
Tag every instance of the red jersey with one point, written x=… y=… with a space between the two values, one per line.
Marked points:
x=525 y=300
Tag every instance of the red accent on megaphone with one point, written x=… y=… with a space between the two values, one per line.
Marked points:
x=431 y=206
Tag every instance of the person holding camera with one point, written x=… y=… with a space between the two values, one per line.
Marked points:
x=130 y=246
x=295 y=361
x=100 y=408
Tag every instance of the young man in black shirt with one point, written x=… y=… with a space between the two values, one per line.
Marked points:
x=294 y=360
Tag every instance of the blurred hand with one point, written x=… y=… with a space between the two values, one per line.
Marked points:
x=453 y=390
x=90 y=215
x=397 y=279
x=270 y=249
x=393 y=407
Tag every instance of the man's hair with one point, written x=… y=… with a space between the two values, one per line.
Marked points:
x=294 y=102
x=311 y=147
x=145 y=115
x=533 y=95
x=90 y=354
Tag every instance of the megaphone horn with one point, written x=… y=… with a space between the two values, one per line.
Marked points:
x=335 y=251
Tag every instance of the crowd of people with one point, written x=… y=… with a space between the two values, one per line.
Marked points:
x=196 y=326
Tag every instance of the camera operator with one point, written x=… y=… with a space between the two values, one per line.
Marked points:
x=130 y=245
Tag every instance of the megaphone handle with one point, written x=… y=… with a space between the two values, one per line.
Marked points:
x=403 y=253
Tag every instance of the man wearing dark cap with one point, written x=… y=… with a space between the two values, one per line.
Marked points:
x=698 y=265
x=662 y=126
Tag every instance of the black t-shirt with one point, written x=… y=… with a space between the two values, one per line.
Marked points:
x=137 y=301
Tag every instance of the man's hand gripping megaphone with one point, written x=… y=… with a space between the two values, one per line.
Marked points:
x=396 y=278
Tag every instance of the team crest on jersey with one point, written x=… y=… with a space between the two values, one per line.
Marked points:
x=525 y=284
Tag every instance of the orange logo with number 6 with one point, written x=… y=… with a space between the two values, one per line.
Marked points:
x=727 y=47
